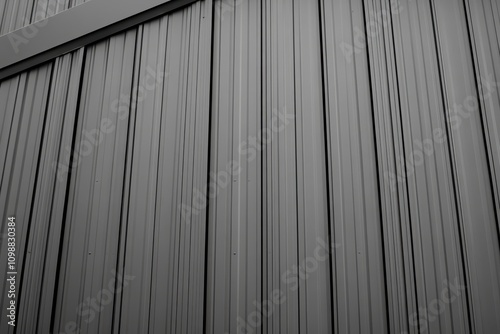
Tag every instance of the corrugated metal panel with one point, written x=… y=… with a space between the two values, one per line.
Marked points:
x=124 y=194
x=91 y=235
x=358 y=274
x=134 y=144
x=47 y=218
x=24 y=99
x=268 y=120
x=19 y=13
x=441 y=210
x=281 y=167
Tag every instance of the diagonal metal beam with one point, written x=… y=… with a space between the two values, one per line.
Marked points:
x=74 y=28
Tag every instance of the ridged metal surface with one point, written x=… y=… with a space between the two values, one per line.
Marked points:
x=265 y=167
x=19 y=13
x=267 y=86
x=119 y=213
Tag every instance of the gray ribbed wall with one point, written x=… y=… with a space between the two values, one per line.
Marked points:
x=368 y=127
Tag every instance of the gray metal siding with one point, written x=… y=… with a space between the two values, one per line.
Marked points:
x=358 y=275
x=267 y=64
x=242 y=141
x=38 y=124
